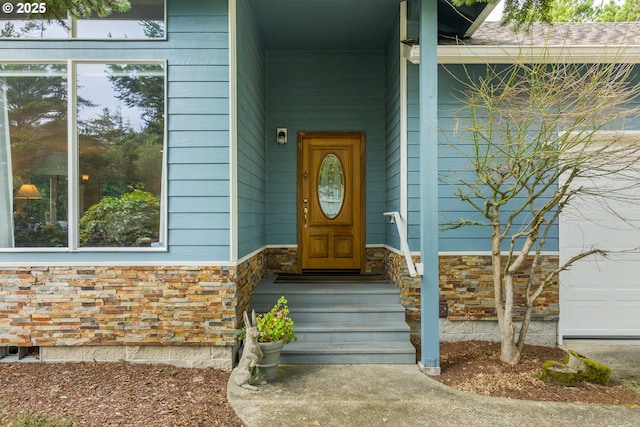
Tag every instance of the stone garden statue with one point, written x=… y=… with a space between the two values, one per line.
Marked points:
x=247 y=372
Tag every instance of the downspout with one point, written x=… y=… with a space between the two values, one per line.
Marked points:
x=430 y=289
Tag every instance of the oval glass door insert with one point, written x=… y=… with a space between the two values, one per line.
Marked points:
x=331 y=186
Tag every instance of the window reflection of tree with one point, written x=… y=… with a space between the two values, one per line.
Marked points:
x=37 y=120
x=117 y=155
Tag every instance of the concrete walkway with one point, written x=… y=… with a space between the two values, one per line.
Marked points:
x=400 y=395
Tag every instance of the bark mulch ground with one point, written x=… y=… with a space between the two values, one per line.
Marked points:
x=124 y=394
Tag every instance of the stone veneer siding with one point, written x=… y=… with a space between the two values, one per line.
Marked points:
x=466 y=290
x=187 y=315
x=248 y=275
x=466 y=298
x=184 y=315
x=282 y=260
x=285 y=260
x=466 y=284
x=395 y=267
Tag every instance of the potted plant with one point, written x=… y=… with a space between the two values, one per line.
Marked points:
x=276 y=330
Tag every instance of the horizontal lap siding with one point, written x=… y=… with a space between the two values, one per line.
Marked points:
x=199 y=186
x=413 y=157
x=323 y=91
x=197 y=55
x=454 y=141
x=251 y=135
x=451 y=164
x=392 y=153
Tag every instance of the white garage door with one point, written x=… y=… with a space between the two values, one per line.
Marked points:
x=600 y=297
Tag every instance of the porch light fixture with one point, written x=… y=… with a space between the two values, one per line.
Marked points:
x=28 y=192
x=282 y=136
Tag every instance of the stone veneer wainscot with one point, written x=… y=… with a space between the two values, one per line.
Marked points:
x=185 y=315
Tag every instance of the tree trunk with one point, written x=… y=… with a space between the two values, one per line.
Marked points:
x=526 y=322
x=509 y=352
x=503 y=294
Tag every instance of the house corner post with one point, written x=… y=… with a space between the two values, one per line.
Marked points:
x=430 y=289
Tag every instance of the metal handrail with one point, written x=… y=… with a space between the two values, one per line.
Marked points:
x=395 y=217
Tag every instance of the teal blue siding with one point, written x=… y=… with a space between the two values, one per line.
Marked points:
x=251 y=134
x=323 y=91
x=452 y=141
x=197 y=56
x=451 y=164
x=392 y=122
x=413 y=157
x=188 y=138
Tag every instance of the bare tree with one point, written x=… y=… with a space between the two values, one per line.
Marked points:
x=530 y=136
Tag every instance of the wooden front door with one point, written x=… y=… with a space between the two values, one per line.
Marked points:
x=331 y=201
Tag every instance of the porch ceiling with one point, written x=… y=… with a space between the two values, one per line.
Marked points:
x=345 y=24
x=325 y=24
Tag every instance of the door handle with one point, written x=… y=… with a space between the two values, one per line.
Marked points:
x=305 y=211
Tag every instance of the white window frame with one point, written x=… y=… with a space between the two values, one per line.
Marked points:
x=73 y=244
x=72 y=32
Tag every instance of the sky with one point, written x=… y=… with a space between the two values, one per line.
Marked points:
x=496 y=14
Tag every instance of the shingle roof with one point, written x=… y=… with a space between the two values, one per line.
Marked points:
x=558 y=34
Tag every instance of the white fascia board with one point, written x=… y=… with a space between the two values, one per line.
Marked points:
x=475 y=54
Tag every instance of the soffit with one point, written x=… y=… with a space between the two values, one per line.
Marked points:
x=346 y=24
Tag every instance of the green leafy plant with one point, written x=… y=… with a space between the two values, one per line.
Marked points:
x=276 y=324
x=121 y=221
x=240 y=334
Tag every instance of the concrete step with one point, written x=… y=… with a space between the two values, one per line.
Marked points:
x=307 y=313
x=350 y=319
x=330 y=293
x=348 y=353
x=352 y=332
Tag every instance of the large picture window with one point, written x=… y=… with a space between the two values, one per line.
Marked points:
x=33 y=155
x=109 y=171
x=121 y=141
x=144 y=20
